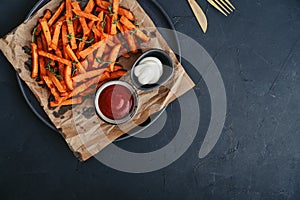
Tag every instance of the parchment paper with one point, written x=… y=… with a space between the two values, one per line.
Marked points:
x=85 y=133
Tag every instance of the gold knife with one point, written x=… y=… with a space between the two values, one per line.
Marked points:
x=198 y=12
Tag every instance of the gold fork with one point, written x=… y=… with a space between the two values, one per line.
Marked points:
x=224 y=6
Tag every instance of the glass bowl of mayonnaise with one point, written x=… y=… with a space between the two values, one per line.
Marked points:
x=152 y=69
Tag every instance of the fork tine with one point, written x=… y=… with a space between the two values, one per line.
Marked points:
x=226 y=5
x=229 y=3
x=217 y=7
x=222 y=6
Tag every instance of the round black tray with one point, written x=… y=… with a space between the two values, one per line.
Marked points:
x=160 y=19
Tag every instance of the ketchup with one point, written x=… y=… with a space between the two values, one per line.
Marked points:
x=116 y=102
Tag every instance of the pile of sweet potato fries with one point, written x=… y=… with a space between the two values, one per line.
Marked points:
x=75 y=49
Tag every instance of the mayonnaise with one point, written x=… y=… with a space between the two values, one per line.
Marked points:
x=149 y=70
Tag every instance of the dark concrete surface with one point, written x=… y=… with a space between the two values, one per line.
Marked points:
x=257 y=51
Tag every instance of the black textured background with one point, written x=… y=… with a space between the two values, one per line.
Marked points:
x=257 y=157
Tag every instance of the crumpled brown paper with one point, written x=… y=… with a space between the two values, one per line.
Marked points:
x=82 y=129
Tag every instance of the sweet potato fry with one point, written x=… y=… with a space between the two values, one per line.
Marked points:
x=72 y=55
x=109 y=42
x=85 y=28
x=96 y=32
x=64 y=94
x=126 y=13
x=55 y=37
x=76 y=26
x=107 y=28
x=118 y=67
x=126 y=55
x=118 y=74
x=113 y=26
x=89 y=6
x=85 y=64
x=129 y=25
x=82 y=20
x=102 y=4
x=114 y=19
x=124 y=51
x=107 y=50
x=52 y=88
x=57 y=83
x=131 y=42
x=79 y=29
x=86 y=15
x=42 y=66
x=88 y=75
x=106 y=53
x=64 y=38
x=90 y=59
x=106 y=76
x=46 y=31
x=68 y=8
x=88 y=92
x=61 y=66
x=35 y=61
x=98 y=55
x=81 y=45
x=71 y=35
x=114 y=55
x=83 y=54
x=115 y=6
x=105 y=11
x=62 y=19
x=120 y=27
x=76 y=5
x=82 y=88
x=56 y=14
x=140 y=34
x=54 y=57
x=63 y=83
x=46 y=16
x=91 y=24
x=116 y=40
x=68 y=77
x=44 y=42
x=101 y=18
x=58 y=53
x=73 y=101
x=122 y=11
x=85 y=37
x=69 y=19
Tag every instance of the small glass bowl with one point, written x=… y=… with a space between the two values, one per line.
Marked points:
x=133 y=109
x=168 y=69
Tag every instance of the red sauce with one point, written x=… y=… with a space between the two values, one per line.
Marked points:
x=116 y=102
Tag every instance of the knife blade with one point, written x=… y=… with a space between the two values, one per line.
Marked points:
x=199 y=14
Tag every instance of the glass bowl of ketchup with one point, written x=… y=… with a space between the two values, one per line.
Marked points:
x=116 y=102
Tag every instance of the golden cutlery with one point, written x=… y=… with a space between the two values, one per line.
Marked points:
x=224 y=6
x=199 y=14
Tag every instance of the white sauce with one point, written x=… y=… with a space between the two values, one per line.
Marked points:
x=149 y=70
